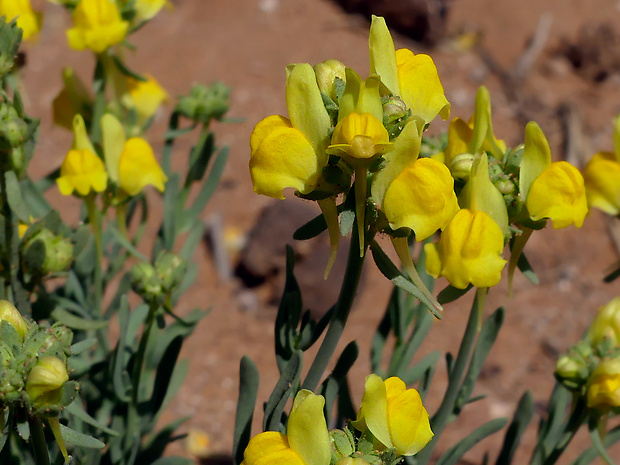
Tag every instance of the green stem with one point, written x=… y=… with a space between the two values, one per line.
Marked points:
x=330 y=213
x=139 y=360
x=360 y=204
x=121 y=220
x=576 y=419
x=455 y=380
x=341 y=314
x=37 y=440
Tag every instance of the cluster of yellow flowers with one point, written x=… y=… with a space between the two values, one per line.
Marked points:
x=130 y=164
x=481 y=194
x=391 y=417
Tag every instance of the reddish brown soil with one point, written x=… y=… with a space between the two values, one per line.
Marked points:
x=246 y=44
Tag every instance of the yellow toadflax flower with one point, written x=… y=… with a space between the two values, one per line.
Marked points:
x=604 y=386
x=45 y=381
x=27 y=19
x=469 y=251
x=602 y=177
x=411 y=77
x=147 y=9
x=131 y=164
x=97 y=24
x=82 y=171
x=606 y=324
x=551 y=190
x=306 y=441
x=394 y=415
x=359 y=136
x=144 y=96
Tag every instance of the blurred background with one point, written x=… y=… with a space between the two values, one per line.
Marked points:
x=554 y=61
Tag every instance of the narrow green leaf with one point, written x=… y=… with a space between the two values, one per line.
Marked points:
x=75 y=322
x=126 y=71
x=248 y=392
x=119 y=373
x=210 y=184
x=451 y=293
x=390 y=271
x=454 y=454
x=200 y=157
x=78 y=439
x=417 y=372
x=171 y=205
x=34 y=198
x=123 y=241
x=524 y=266
x=597 y=442
x=311 y=229
x=520 y=420
x=14 y=197
x=173 y=461
x=77 y=411
x=612 y=437
x=283 y=390
x=81 y=346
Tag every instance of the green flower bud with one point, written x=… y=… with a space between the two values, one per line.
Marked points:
x=326 y=74
x=461 y=166
x=170 y=269
x=145 y=282
x=204 y=103
x=394 y=109
x=13 y=129
x=11 y=315
x=572 y=371
x=48 y=253
x=505 y=186
x=45 y=381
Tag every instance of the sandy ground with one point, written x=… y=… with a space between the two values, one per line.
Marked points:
x=247 y=44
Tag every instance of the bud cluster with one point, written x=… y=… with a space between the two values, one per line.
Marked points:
x=205 y=103
x=153 y=282
x=591 y=368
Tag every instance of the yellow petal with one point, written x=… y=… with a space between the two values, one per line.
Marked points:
x=284 y=158
x=361 y=96
x=408 y=420
x=144 y=96
x=270 y=447
x=81 y=141
x=602 y=182
x=360 y=136
x=138 y=167
x=97 y=25
x=82 y=171
x=266 y=126
x=421 y=198
x=306 y=109
x=420 y=87
x=480 y=194
x=27 y=19
x=383 y=54
x=469 y=251
x=459 y=138
x=374 y=409
x=559 y=194
x=113 y=135
x=147 y=9
x=307 y=429
x=536 y=157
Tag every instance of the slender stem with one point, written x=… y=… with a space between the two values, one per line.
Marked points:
x=360 y=204
x=121 y=220
x=37 y=439
x=515 y=254
x=95 y=224
x=330 y=213
x=341 y=313
x=442 y=416
x=139 y=360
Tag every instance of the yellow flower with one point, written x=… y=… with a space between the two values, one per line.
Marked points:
x=411 y=77
x=27 y=19
x=421 y=198
x=602 y=181
x=394 y=415
x=97 y=24
x=469 y=251
x=306 y=442
x=604 y=386
x=82 y=171
x=359 y=136
x=138 y=167
x=131 y=164
x=147 y=9
x=11 y=315
x=551 y=190
x=45 y=381
x=144 y=96
x=606 y=324
x=291 y=152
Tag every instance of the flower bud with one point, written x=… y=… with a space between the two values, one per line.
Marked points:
x=204 y=103
x=48 y=253
x=461 y=166
x=144 y=281
x=572 y=371
x=326 y=74
x=170 y=269
x=604 y=386
x=13 y=129
x=11 y=315
x=45 y=381
x=606 y=324
x=394 y=109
